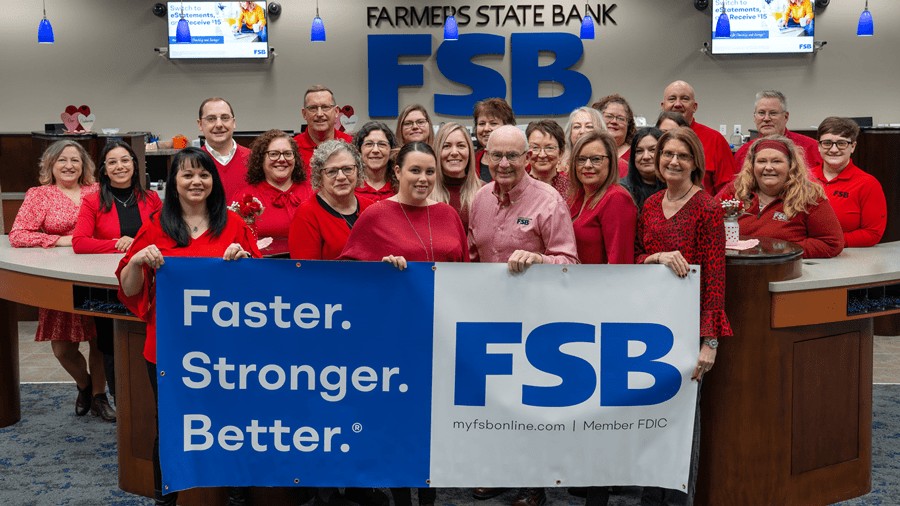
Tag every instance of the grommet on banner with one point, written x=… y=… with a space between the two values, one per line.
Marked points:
x=565 y=269
x=162 y=373
x=559 y=482
x=428 y=481
x=434 y=267
x=297 y=480
x=694 y=271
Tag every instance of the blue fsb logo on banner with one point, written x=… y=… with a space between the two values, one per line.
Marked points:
x=267 y=386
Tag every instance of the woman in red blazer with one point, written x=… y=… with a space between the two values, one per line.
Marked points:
x=107 y=222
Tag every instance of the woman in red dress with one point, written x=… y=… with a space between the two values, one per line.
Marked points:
x=603 y=213
x=46 y=219
x=679 y=227
x=409 y=226
x=458 y=180
x=276 y=176
x=322 y=224
x=193 y=222
x=375 y=141
x=107 y=223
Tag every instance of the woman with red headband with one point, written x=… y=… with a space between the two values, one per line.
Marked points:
x=782 y=202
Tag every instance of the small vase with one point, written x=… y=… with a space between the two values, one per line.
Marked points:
x=732 y=229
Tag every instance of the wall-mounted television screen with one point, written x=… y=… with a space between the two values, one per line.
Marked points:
x=218 y=30
x=763 y=26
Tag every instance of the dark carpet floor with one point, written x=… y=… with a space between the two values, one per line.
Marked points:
x=51 y=457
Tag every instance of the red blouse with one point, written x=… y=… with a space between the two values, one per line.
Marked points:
x=143 y=303
x=46 y=215
x=374 y=195
x=419 y=234
x=280 y=206
x=605 y=234
x=858 y=201
x=97 y=231
x=317 y=234
x=697 y=230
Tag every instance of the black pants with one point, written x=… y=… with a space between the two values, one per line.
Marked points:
x=403 y=496
x=106 y=345
x=157 y=470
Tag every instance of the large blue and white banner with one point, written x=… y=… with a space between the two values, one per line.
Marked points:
x=281 y=373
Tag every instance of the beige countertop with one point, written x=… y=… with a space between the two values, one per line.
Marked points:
x=60 y=263
x=854 y=266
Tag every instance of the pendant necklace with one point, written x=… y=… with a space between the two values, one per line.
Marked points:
x=430 y=237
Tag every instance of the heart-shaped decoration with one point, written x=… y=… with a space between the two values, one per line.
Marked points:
x=86 y=121
x=84 y=110
x=70 y=121
x=71 y=109
x=349 y=122
x=347 y=110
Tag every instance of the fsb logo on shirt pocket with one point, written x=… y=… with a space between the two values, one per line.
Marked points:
x=523 y=221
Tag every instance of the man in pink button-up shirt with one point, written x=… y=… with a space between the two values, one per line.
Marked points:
x=517 y=219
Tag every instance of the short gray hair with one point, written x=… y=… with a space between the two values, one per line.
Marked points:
x=771 y=94
x=596 y=119
x=328 y=149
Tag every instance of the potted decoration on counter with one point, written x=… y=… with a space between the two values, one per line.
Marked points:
x=733 y=210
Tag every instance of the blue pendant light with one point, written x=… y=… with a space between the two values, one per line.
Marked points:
x=318 y=27
x=182 y=31
x=865 y=27
x=45 y=31
x=723 y=25
x=451 y=29
x=587 y=25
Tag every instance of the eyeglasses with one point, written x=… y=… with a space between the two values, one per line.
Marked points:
x=379 y=145
x=842 y=145
x=771 y=114
x=224 y=118
x=275 y=155
x=125 y=161
x=511 y=157
x=609 y=117
x=419 y=123
x=595 y=160
x=316 y=108
x=546 y=149
x=333 y=172
x=681 y=157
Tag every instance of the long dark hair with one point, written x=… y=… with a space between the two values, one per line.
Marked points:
x=633 y=181
x=415 y=147
x=170 y=215
x=137 y=186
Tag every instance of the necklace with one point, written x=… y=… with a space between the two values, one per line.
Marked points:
x=334 y=208
x=196 y=227
x=126 y=202
x=681 y=197
x=430 y=238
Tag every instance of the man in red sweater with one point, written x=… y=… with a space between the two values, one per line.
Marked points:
x=679 y=97
x=319 y=111
x=216 y=121
x=771 y=117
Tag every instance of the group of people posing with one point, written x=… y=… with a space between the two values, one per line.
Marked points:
x=598 y=190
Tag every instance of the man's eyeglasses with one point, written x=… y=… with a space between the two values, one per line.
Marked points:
x=511 y=157
x=224 y=118
x=316 y=108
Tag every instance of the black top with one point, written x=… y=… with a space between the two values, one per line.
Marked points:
x=129 y=214
x=349 y=218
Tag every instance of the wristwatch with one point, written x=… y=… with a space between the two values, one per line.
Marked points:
x=712 y=343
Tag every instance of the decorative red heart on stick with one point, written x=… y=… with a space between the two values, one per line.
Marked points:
x=71 y=109
x=84 y=110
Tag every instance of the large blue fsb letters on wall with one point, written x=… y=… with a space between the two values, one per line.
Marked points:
x=453 y=58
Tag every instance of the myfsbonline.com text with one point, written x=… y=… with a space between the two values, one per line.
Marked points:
x=591 y=425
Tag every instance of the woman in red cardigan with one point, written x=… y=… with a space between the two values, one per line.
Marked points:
x=857 y=197
x=782 y=202
x=107 y=223
x=322 y=224
x=276 y=176
x=603 y=213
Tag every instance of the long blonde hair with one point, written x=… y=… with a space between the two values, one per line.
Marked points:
x=472 y=183
x=799 y=190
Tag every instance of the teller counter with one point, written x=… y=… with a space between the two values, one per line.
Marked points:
x=786 y=411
